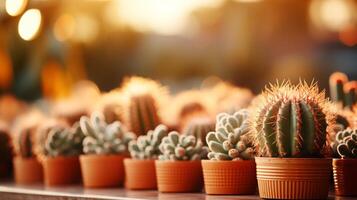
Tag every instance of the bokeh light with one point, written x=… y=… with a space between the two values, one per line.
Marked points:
x=15 y=7
x=30 y=24
x=64 y=27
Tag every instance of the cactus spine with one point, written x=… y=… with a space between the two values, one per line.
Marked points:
x=147 y=146
x=103 y=138
x=347 y=143
x=230 y=141
x=291 y=121
x=199 y=128
x=181 y=147
x=342 y=91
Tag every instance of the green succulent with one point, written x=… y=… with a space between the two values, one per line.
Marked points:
x=103 y=138
x=347 y=143
x=182 y=147
x=147 y=146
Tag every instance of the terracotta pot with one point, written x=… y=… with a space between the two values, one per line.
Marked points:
x=229 y=177
x=140 y=174
x=345 y=176
x=293 y=178
x=61 y=170
x=102 y=170
x=27 y=170
x=179 y=176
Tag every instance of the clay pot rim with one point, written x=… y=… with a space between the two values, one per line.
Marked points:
x=177 y=161
x=226 y=161
x=60 y=157
x=100 y=155
x=290 y=159
x=345 y=159
x=138 y=160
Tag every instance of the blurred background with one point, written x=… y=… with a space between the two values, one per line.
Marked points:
x=47 y=45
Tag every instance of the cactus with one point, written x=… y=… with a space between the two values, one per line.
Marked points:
x=64 y=141
x=342 y=91
x=25 y=144
x=291 y=121
x=147 y=146
x=181 y=147
x=230 y=141
x=103 y=138
x=350 y=90
x=199 y=128
x=5 y=146
x=347 y=143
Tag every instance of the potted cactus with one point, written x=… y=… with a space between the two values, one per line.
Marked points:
x=104 y=147
x=179 y=166
x=342 y=91
x=290 y=128
x=61 y=162
x=344 y=168
x=144 y=151
x=199 y=127
x=231 y=168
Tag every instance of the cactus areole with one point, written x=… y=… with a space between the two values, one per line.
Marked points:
x=291 y=121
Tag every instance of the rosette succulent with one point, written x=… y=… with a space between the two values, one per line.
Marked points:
x=347 y=143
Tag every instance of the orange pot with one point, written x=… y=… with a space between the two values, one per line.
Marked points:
x=179 y=176
x=61 y=170
x=345 y=176
x=293 y=178
x=102 y=170
x=27 y=170
x=140 y=174
x=229 y=177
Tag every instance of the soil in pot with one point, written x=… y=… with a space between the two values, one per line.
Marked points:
x=293 y=178
x=345 y=176
x=61 y=170
x=179 y=176
x=27 y=170
x=229 y=177
x=140 y=174
x=102 y=170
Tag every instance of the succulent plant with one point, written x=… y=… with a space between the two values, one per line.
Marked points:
x=182 y=147
x=347 y=143
x=342 y=91
x=230 y=141
x=291 y=121
x=199 y=127
x=147 y=146
x=103 y=138
x=64 y=141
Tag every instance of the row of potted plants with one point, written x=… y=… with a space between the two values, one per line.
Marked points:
x=279 y=144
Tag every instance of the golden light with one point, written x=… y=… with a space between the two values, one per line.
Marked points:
x=30 y=24
x=15 y=7
x=64 y=27
x=333 y=15
x=167 y=17
x=86 y=28
x=248 y=1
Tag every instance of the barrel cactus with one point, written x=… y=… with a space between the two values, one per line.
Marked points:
x=64 y=141
x=103 y=138
x=199 y=127
x=347 y=143
x=147 y=146
x=291 y=121
x=342 y=91
x=181 y=147
x=230 y=141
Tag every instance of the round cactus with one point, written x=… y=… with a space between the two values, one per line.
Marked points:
x=291 y=121
x=64 y=142
x=347 y=143
x=230 y=141
x=147 y=146
x=181 y=147
x=103 y=138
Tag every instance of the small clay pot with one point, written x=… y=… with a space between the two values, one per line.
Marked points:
x=140 y=174
x=179 y=176
x=61 y=170
x=229 y=177
x=293 y=178
x=102 y=170
x=345 y=176
x=27 y=170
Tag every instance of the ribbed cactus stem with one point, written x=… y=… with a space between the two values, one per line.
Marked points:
x=25 y=144
x=337 y=82
x=199 y=127
x=350 y=90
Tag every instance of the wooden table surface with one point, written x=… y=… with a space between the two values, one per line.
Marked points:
x=10 y=191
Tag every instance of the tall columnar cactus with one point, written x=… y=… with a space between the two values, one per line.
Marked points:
x=342 y=91
x=347 y=143
x=103 y=138
x=64 y=142
x=350 y=90
x=199 y=128
x=25 y=147
x=143 y=114
x=147 y=146
x=230 y=141
x=182 y=147
x=291 y=121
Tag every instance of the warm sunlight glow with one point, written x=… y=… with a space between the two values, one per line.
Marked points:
x=167 y=17
x=30 y=24
x=15 y=7
x=64 y=27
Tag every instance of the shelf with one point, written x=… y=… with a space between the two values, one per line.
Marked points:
x=10 y=191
